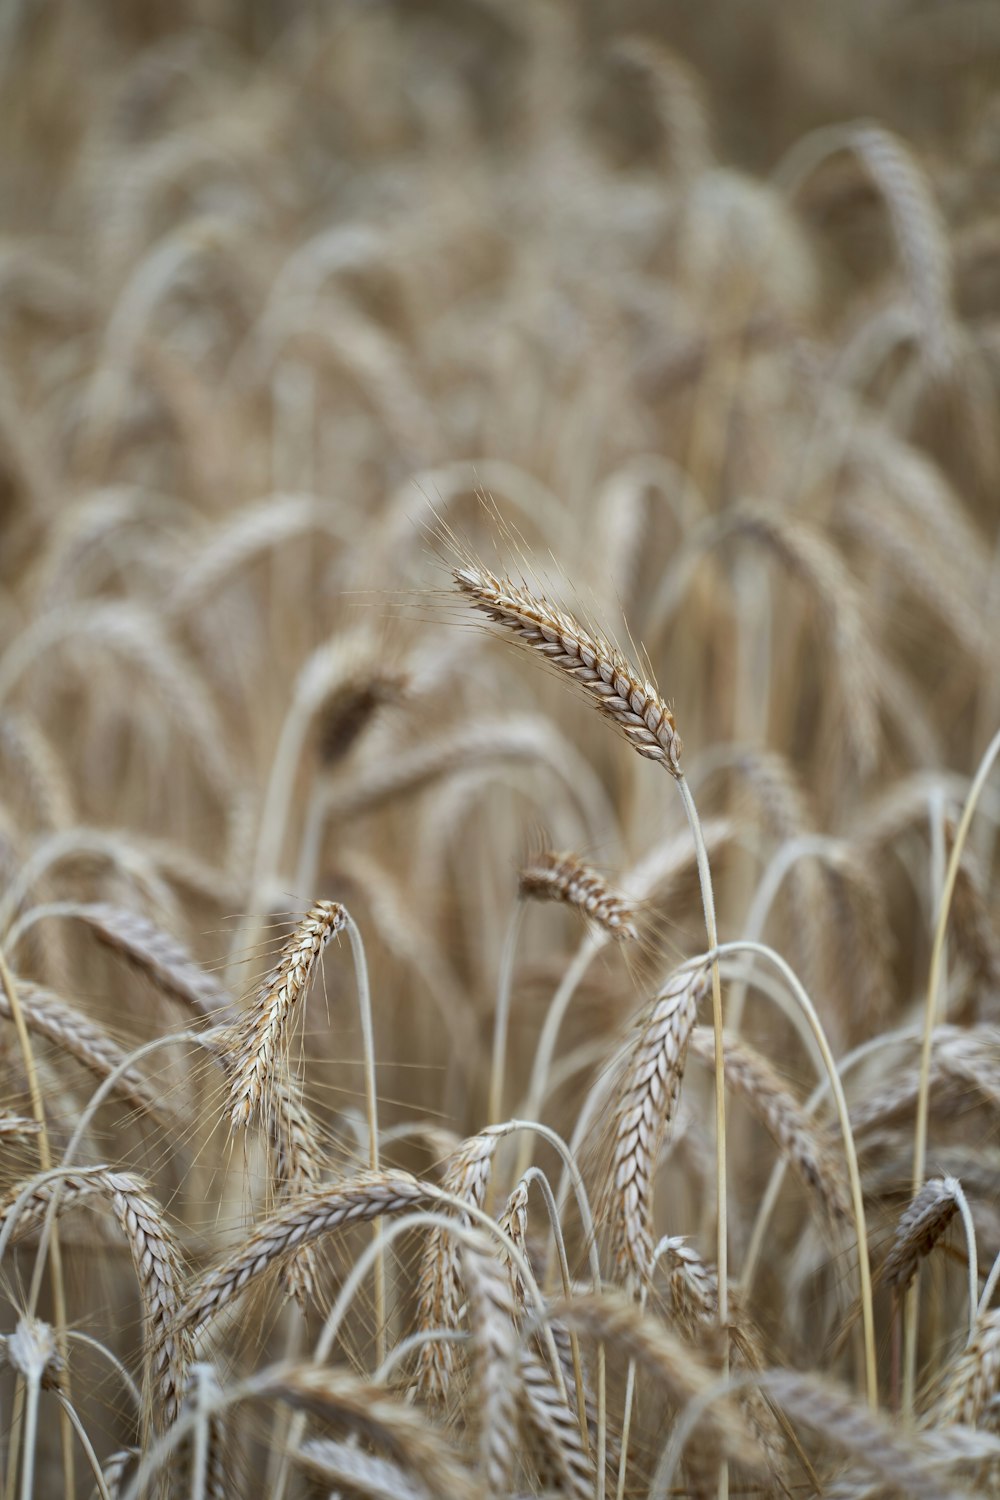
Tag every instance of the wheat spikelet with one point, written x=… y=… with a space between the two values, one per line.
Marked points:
x=921 y=1225
x=648 y=1089
x=439 y=1291
x=296 y=1226
x=631 y=703
x=752 y=1077
x=558 y=1453
x=969 y=1396
x=550 y=876
x=261 y=1031
x=495 y=1342
x=154 y=1257
x=63 y=1025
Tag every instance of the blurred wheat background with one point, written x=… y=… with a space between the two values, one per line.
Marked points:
x=345 y=347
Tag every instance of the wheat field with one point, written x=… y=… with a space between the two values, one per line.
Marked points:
x=499 y=602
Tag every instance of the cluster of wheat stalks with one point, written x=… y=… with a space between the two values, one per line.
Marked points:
x=407 y=1089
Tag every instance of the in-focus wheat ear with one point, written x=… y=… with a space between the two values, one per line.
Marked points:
x=631 y=703
x=260 y=1033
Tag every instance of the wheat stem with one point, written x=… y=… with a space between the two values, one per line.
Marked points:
x=45 y=1161
x=371 y=1110
x=850 y=1152
x=930 y=1012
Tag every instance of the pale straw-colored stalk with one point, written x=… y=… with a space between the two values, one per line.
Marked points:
x=930 y=1018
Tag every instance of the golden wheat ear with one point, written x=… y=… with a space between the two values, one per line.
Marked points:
x=261 y=1032
x=609 y=680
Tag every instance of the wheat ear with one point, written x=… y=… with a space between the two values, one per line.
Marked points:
x=495 y=1341
x=650 y=1084
x=439 y=1296
x=301 y=1223
x=552 y=876
x=261 y=1031
x=751 y=1076
x=67 y=1028
x=974 y=1381
x=560 y=1458
x=633 y=705
x=154 y=1256
x=921 y=1225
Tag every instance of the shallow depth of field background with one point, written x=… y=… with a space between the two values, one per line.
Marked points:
x=691 y=313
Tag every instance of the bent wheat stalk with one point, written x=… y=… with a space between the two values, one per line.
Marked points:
x=930 y=1018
